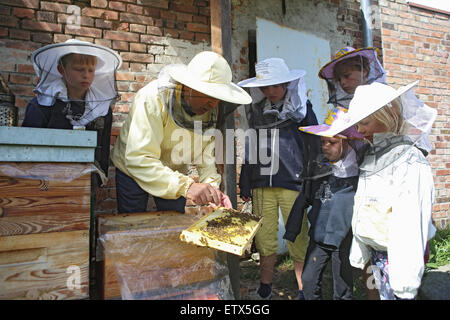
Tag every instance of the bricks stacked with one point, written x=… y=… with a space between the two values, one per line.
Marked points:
x=416 y=46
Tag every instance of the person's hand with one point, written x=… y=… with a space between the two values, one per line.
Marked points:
x=204 y=193
x=226 y=202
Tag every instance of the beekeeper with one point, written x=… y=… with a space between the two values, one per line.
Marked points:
x=167 y=130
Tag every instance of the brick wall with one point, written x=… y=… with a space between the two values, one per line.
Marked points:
x=416 y=46
x=148 y=34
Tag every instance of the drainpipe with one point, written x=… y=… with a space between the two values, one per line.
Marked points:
x=367 y=23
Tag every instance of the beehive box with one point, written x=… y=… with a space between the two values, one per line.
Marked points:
x=45 y=195
x=145 y=249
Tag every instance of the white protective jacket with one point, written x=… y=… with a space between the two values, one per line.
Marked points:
x=153 y=150
x=392 y=212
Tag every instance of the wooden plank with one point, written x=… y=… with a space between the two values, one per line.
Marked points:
x=221 y=43
x=36 y=266
x=44 y=223
x=33 y=206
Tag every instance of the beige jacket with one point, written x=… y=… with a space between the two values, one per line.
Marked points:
x=155 y=152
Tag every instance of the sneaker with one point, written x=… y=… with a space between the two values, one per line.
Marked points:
x=300 y=295
x=264 y=292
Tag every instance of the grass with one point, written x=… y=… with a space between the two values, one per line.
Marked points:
x=439 y=249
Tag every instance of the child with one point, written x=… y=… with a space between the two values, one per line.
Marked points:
x=279 y=106
x=76 y=87
x=394 y=200
x=330 y=215
x=351 y=68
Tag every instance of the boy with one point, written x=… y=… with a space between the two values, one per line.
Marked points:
x=69 y=93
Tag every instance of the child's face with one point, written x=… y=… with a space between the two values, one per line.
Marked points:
x=368 y=126
x=332 y=148
x=275 y=92
x=350 y=79
x=78 y=77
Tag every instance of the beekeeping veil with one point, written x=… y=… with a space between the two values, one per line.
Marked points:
x=264 y=114
x=208 y=73
x=414 y=124
x=364 y=58
x=52 y=86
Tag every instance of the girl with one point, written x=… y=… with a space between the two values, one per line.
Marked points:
x=393 y=203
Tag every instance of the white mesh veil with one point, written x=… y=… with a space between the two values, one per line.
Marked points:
x=51 y=84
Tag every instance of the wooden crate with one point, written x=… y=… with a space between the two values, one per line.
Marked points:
x=44 y=230
x=158 y=234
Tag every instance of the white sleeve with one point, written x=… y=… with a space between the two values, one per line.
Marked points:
x=409 y=226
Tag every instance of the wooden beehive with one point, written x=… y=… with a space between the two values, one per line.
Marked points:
x=44 y=229
x=45 y=205
x=147 y=246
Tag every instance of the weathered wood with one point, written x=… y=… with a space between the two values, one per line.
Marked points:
x=221 y=43
x=146 y=250
x=36 y=266
x=35 y=206
x=43 y=223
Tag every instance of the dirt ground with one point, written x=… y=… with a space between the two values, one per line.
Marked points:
x=284 y=285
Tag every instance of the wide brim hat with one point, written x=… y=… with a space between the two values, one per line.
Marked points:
x=324 y=129
x=367 y=100
x=272 y=71
x=210 y=74
x=47 y=58
x=327 y=71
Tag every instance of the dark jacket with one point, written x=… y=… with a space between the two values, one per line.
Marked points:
x=331 y=213
x=286 y=173
x=54 y=117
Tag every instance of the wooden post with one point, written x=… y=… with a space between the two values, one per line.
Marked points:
x=221 y=44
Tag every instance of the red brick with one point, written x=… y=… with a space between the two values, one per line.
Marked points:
x=127 y=76
x=187 y=35
x=32 y=4
x=23 y=13
x=152 y=12
x=171 y=33
x=84 y=31
x=163 y=4
x=19 y=34
x=43 y=37
x=134 y=18
x=61 y=38
x=138 y=28
x=119 y=6
x=131 y=8
x=121 y=36
x=120 y=45
x=25 y=68
x=183 y=7
x=154 y=30
x=54 y=7
x=19 y=79
x=202 y=37
x=38 y=26
x=9 y=21
x=99 y=3
x=136 y=57
x=197 y=27
x=138 y=47
x=100 y=13
x=45 y=16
